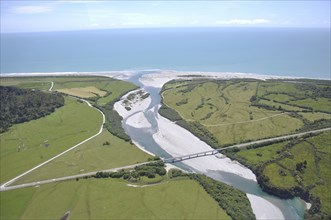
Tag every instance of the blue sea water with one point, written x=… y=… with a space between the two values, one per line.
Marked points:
x=270 y=51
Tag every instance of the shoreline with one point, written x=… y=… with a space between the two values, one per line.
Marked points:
x=157 y=73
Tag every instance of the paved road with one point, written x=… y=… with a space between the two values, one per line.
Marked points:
x=5 y=188
x=215 y=151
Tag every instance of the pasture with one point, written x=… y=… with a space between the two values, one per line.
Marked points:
x=239 y=110
x=108 y=88
x=93 y=155
x=305 y=164
x=225 y=109
x=111 y=199
x=29 y=144
x=83 y=92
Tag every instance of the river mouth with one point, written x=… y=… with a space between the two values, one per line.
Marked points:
x=289 y=209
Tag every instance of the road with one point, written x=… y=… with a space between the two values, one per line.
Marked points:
x=215 y=151
x=64 y=152
x=5 y=188
x=52 y=84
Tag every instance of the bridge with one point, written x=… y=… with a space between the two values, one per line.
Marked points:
x=190 y=156
x=216 y=151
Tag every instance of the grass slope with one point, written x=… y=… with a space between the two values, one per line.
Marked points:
x=111 y=199
x=27 y=145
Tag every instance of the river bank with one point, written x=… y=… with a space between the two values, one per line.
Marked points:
x=177 y=141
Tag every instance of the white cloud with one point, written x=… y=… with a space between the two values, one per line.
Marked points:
x=31 y=9
x=244 y=21
x=78 y=1
x=193 y=22
x=133 y=24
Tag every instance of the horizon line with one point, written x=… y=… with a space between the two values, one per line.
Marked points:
x=170 y=27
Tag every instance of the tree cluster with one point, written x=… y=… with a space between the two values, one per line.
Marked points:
x=22 y=105
x=149 y=170
x=233 y=201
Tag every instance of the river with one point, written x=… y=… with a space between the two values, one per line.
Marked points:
x=264 y=205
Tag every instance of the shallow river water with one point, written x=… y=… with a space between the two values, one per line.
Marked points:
x=290 y=209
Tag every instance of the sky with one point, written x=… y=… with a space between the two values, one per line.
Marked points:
x=60 y=15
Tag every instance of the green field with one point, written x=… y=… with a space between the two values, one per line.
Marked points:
x=41 y=139
x=28 y=144
x=89 y=198
x=261 y=155
x=84 y=92
x=311 y=95
x=304 y=163
x=93 y=155
x=114 y=88
x=235 y=111
x=111 y=199
x=227 y=110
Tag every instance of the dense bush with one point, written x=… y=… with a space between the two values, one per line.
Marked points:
x=113 y=122
x=173 y=173
x=169 y=113
x=149 y=170
x=233 y=201
x=318 y=124
x=22 y=105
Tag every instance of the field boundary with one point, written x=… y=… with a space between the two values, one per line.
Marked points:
x=244 y=122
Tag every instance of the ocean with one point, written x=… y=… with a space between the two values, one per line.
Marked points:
x=269 y=51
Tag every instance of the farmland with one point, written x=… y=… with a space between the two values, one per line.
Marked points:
x=236 y=111
x=225 y=112
x=28 y=144
x=300 y=167
x=84 y=92
x=102 y=152
x=40 y=139
x=111 y=199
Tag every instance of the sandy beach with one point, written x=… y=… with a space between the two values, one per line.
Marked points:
x=159 y=79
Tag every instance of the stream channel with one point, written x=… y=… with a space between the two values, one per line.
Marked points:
x=290 y=209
